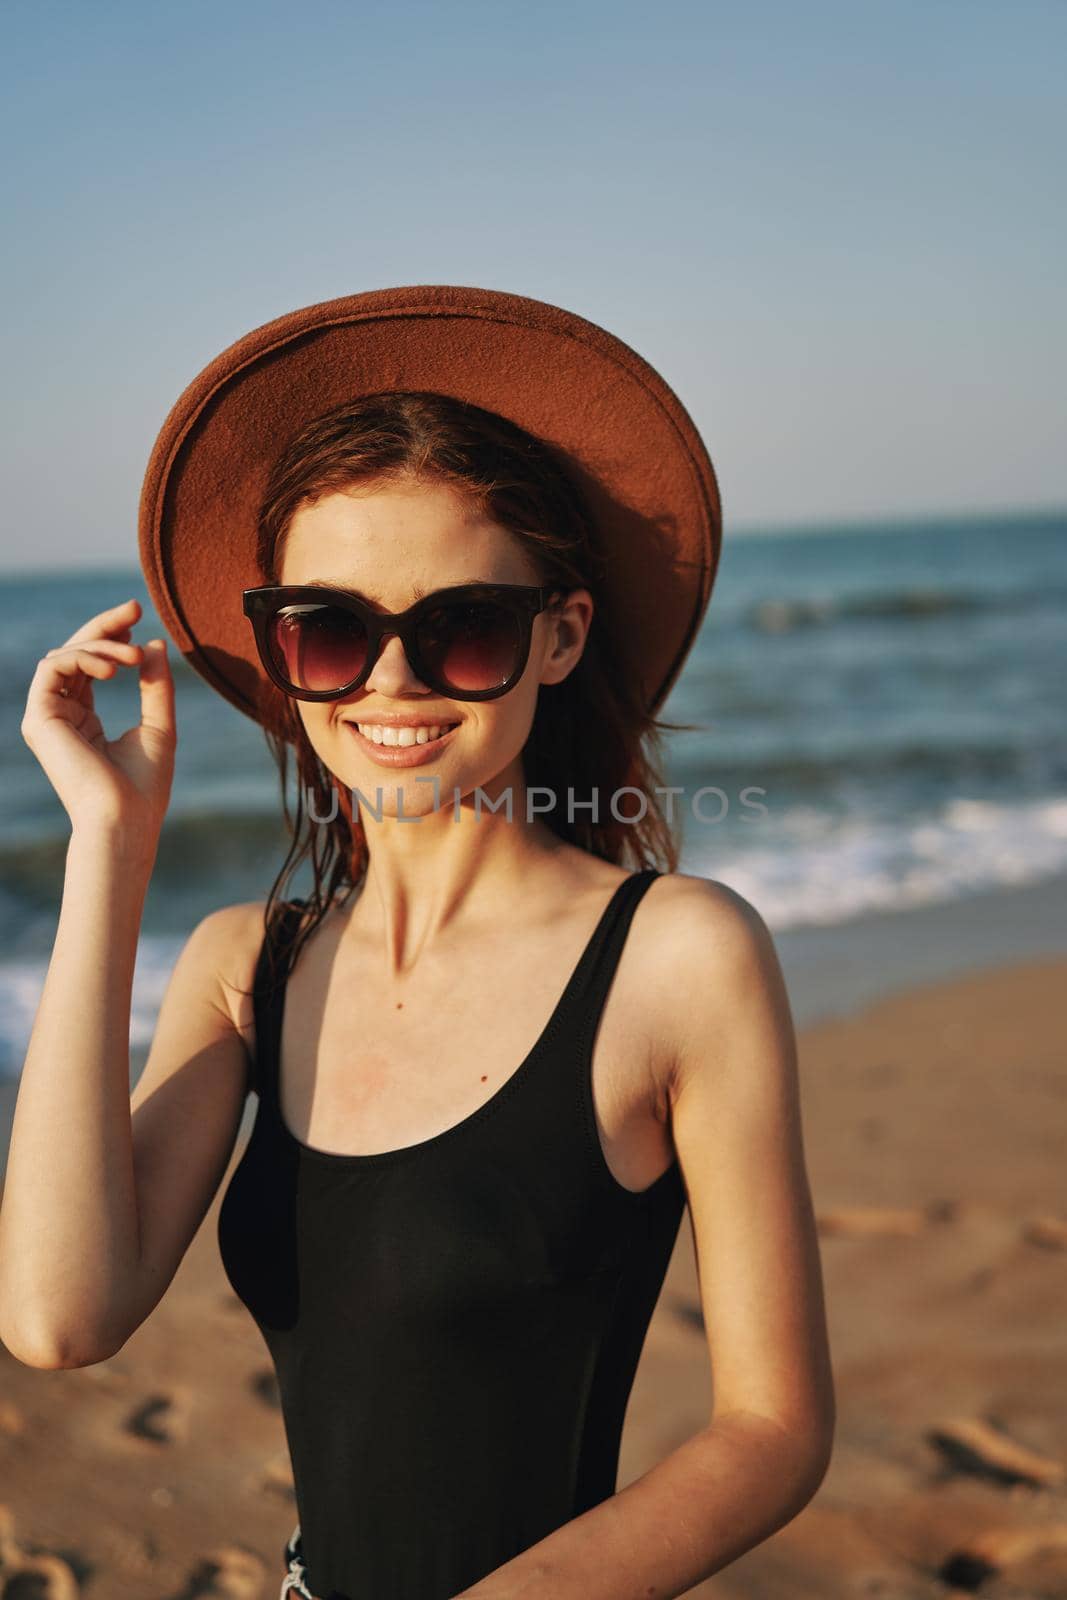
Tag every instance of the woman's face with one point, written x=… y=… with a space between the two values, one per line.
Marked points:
x=389 y=542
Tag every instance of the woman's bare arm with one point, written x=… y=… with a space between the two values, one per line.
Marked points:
x=103 y=1193
x=68 y=1222
x=186 y=1108
x=100 y=1201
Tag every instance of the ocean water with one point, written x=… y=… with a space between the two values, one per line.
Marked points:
x=881 y=715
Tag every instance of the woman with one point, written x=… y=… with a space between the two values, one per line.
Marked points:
x=461 y=625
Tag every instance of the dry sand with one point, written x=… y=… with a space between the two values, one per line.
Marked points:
x=933 y=1126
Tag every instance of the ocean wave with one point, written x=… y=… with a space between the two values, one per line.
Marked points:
x=913 y=768
x=789 y=613
x=821 y=873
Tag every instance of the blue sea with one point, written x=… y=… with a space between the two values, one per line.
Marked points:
x=882 y=726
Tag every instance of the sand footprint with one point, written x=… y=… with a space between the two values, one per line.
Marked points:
x=276 y=1478
x=997 y=1549
x=41 y=1575
x=161 y=1418
x=229 y=1573
x=1051 y=1232
x=264 y=1385
x=975 y=1445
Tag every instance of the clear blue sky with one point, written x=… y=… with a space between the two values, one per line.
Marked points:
x=838 y=230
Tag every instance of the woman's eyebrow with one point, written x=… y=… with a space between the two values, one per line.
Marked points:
x=339 y=583
x=417 y=590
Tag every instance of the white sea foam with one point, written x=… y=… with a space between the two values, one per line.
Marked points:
x=819 y=872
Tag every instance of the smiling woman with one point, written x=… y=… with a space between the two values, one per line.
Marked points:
x=409 y=495
x=501 y=1045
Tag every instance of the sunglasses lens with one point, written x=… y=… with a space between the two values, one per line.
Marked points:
x=317 y=647
x=471 y=646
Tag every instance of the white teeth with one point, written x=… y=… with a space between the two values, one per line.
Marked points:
x=403 y=737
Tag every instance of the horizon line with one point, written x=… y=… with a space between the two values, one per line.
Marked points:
x=749 y=528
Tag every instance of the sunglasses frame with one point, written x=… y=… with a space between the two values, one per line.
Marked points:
x=524 y=601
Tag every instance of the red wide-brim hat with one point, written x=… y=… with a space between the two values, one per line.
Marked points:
x=625 y=438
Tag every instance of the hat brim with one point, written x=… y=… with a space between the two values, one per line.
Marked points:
x=625 y=437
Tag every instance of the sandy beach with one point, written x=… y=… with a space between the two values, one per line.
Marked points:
x=933 y=1120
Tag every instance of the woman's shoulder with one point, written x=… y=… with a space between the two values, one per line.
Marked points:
x=239 y=930
x=680 y=911
x=690 y=901
x=695 y=929
x=713 y=988
x=234 y=927
x=227 y=943
x=228 y=940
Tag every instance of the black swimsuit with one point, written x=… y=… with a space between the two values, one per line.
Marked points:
x=456 y=1324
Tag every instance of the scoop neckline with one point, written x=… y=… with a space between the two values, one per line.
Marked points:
x=369 y=1158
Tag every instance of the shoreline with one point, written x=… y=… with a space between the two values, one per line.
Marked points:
x=836 y=969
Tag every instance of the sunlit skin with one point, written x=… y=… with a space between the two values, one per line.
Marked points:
x=383 y=540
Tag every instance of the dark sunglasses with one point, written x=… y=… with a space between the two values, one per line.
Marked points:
x=469 y=642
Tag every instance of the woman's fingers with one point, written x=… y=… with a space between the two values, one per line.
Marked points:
x=98 y=780
x=114 y=621
x=64 y=667
x=69 y=666
x=121 y=649
x=157 y=690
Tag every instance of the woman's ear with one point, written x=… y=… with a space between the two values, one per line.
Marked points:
x=566 y=628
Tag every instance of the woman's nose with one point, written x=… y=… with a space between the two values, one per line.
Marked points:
x=393 y=673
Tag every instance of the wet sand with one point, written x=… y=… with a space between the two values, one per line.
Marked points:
x=934 y=1129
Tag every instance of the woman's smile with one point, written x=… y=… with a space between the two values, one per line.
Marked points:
x=407 y=744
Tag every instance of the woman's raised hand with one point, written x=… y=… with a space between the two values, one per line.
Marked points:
x=109 y=784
